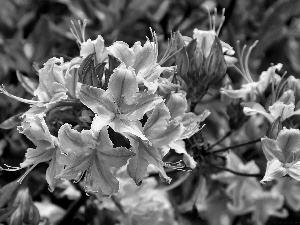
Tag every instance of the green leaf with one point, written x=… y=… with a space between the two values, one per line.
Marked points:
x=113 y=63
x=274 y=24
x=6 y=213
x=7 y=192
x=86 y=73
x=182 y=62
x=28 y=84
x=11 y=122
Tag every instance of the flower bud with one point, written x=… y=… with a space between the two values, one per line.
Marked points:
x=215 y=66
x=26 y=213
x=274 y=129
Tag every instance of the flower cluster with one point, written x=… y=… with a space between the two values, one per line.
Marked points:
x=79 y=105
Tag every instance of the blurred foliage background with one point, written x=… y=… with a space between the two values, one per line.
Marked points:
x=32 y=31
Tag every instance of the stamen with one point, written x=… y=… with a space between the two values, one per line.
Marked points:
x=247 y=59
x=180 y=165
x=26 y=173
x=240 y=59
x=214 y=22
x=222 y=21
x=76 y=35
x=209 y=18
x=3 y=91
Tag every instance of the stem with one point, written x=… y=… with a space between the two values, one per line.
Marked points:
x=176 y=183
x=68 y=217
x=238 y=173
x=63 y=103
x=235 y=146
x=118 y=204
x=219 y=141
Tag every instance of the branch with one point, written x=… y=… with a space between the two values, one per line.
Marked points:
x=219 y=141
x=68 y=217
x=234 y=146
x=238 y=173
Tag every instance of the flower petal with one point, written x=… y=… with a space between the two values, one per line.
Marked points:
x=122 y=84
x=121 y=51
x=288 y=141
x=274 y=170
x=271 y=150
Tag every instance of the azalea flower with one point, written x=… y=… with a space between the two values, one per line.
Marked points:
x=213 y=206
x=47 y=149
x=262 y=204
x=92 y=158
x=144 y=204
x=160 y=131
x=284 y=108
x=252 y=89
x=282 y=155
x=177 y=105
x=121 y=106
x=143 y=59
x=57 y=82
x=290 y=188
x=236 y=183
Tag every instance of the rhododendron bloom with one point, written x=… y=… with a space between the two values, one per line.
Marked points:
x=143 y=59
x=121 y=105
x=252 y=89
x=91 y=157
x=282 y=155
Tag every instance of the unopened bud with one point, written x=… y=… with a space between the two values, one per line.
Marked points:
x=274 y=129
x=215 y=66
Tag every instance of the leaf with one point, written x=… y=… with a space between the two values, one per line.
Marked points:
x=273 y=26
x=28 y=84
x=42 y=40
x=182 y=62
x=191 y=48
x=26 y=212
x=7 y=191
x=86 y=73
x=11 y=122
x=6 y=213
x=113 y=63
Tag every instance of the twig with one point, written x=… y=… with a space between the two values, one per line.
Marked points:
x=118 y=204
x=236 y=172
x=68 y=217
x=176 y=183
x=219 y=141
x=234 y=146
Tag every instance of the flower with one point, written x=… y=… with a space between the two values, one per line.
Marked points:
x=284 y=108
x=205 y=40
x=236 y=183
x=282 y=155
x=252 y=89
